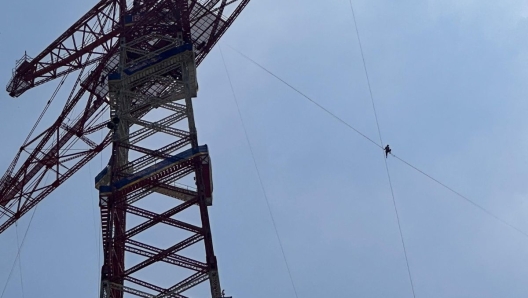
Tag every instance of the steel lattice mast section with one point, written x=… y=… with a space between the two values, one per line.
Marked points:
x=144 y=56
x=150 y=58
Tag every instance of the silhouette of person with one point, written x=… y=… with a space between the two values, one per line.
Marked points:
x=387 y=150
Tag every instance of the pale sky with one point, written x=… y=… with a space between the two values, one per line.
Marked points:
x=449 y=82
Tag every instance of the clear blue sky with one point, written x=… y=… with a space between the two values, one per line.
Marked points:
x=449 y=81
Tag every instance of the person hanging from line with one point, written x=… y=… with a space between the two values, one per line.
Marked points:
x=387 y=150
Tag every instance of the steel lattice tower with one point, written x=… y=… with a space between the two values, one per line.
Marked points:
x=143 y=57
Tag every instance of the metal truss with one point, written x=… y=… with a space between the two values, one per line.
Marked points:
x=91 y=45
x=137 y=63
x=96 y=34
x=126 y=181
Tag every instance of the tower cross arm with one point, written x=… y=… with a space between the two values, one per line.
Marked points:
x=84 y=43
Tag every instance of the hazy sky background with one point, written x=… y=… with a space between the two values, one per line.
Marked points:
x=449 y=81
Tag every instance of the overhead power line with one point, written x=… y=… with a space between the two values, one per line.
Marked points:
x=20 y=263
x=384 y=157
x=18 y=252
x=307 y=97
x=462 y=196
x=20 y=248
x=377 y=145
x=259 y=176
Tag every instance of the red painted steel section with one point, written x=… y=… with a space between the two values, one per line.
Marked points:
x=13 y=184
x=90 y=39
x=93 y=41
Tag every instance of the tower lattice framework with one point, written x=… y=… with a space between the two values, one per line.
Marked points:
x=138 y=63
x=163 y=63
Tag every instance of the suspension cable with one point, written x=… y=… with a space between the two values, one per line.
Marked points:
x=21 y=245
x=384 y=158
x=259 y=176
x=19 y=262
x=472 y=202
x=46 y=108
x=18 y=252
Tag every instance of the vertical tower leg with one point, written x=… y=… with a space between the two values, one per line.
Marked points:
x=214 y=279
x=160 y=85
